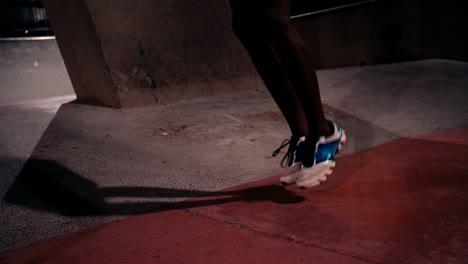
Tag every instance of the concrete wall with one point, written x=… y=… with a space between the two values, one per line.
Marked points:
x=388 y=31
x=132 y=53
x=161 y=51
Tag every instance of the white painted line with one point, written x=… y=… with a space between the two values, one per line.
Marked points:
x=50 y=100
x=332 y=9
x=27 y=38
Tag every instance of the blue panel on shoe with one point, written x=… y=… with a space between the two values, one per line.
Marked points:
x=327 y=151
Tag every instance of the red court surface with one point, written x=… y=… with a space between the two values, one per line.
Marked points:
x=401 y=202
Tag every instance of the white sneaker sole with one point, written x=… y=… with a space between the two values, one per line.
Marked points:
x=315 y=175
x=291 y=174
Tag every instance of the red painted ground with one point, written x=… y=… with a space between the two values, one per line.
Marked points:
x=401 y=202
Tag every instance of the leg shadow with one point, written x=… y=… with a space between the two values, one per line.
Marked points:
x=48 y=186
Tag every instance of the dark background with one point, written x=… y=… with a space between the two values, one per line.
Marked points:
x=306 y=6
x=20 y=18
x=23 y=18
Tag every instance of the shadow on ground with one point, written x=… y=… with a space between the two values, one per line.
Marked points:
x=46 y=185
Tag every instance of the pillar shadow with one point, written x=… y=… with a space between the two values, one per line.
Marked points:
x=48 y=186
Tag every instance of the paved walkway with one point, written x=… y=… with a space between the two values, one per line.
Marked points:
x=400 y=202
x=73 y=167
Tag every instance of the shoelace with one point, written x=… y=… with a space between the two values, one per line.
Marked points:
x=289 y=156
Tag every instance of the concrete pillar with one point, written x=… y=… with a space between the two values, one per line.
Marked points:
x=81 y=51
x=133 y=53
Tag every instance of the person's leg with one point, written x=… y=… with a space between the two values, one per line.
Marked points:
x=297 y=62
x=318 y=158
x=246 y=26
x=283 y=61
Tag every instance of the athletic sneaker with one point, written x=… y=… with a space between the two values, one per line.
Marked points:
x=317 y=167
x=293 y=159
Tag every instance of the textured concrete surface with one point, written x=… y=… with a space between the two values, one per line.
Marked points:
x=405 y=98
x=380 y=206
x=33 y=85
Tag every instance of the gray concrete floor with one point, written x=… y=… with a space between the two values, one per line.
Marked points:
x=97 y=164
x=32 y=70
